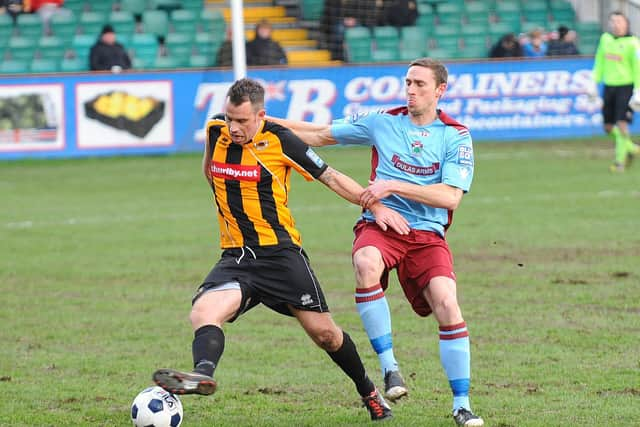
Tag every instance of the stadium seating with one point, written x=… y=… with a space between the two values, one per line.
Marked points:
x=81 y=44
x=73 y=64
x=357 y=43
x=64 y=26
x=44 y=65
x=311 y=9
x=183 y=21
x=51 y=47
x=155 y=22
x=14 y=66
x=450 y=13
x=30 y=25
x=134 y=6
x=123 y=22
x=91 y=22
x=21 y=48
x=386 y=38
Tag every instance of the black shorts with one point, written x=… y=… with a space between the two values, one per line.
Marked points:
x=615 y=105
x=276 y=277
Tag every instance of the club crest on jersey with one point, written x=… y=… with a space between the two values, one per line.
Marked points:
x=314 y=157
x=416 y=148
x=261 y=145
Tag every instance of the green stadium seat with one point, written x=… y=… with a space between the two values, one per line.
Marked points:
x=144 y=45
x=410 y=53
x=527 y=27
x=141 y=63
x=588 y=27
x=201 y=61
x=167 y=62
x=193 y=5
x=183 y=21
x=73 y=64
x=123 y=22
x=450 y=13
x=82 y=43
x=385 y=55
x=477 y=12
x=438 y=53
x=312 y=9
x=413 y=38
x=386 y=38
x=472 y=52
x=91 y=23
x=77 y=6
x=44 y=65
x=134 y=6
x=64 y=26
x=102 y=6
x=180 y=45
x=212 y=21
x=426 y=22
x=155 y=22
x=21 y=48
x=165 y=5
x=208 y=43
x=357 y=43
x=14 y=66
x=30 y=25
x=51 y=47
x=499 y=29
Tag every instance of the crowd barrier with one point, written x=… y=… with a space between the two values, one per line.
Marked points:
x=94 y=114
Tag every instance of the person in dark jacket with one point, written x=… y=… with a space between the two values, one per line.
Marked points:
x=263 y=50
x=107 y=54
x=564 y=44
x=507 y=47
x=224 y=56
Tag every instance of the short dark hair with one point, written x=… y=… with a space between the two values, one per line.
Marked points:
x=244 y=90
x=438 y=68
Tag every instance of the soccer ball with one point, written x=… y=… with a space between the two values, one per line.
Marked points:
x=156 y=407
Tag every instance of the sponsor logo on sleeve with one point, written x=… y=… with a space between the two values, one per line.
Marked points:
x=314 y=157
x=465 y=155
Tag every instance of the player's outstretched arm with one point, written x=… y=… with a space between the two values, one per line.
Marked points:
x=350 y=190
x=435 y=195
x=310 y=133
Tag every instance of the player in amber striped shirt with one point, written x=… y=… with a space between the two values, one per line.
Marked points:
x=248 y=163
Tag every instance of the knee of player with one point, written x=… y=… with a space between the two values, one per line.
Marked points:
x=328 y=339
x=447 y=304
x=368 y=261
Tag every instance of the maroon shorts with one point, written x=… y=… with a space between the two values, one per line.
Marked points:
x=418 y=257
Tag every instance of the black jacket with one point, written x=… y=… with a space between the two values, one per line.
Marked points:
x=103 y=56
x=265 y=52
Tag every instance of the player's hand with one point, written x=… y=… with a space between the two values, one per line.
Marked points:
x=592 y=92
x=376 y=190
x=387 y=217
x=634 y=102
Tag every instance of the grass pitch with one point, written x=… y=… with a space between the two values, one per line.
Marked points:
x=100 y=258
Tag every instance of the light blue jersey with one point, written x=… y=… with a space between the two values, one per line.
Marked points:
x=441 y=152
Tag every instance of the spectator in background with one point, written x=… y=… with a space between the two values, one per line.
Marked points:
x=339 y=15
x=12 y=7
x=107 y=54
x=399 y=13
x=564 y=44
x=263 y=50
x=224 y=56
x=507 y=47
x=535 y=46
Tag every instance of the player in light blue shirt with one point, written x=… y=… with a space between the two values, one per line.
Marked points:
x=422 y=164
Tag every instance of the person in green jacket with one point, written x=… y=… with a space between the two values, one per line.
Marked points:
x=617 y=65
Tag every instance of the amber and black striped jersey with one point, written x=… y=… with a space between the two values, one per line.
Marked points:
x=251 y=183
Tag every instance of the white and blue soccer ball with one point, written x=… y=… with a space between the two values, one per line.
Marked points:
x=156 y=407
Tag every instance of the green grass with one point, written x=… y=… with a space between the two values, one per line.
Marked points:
x=100 y=258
